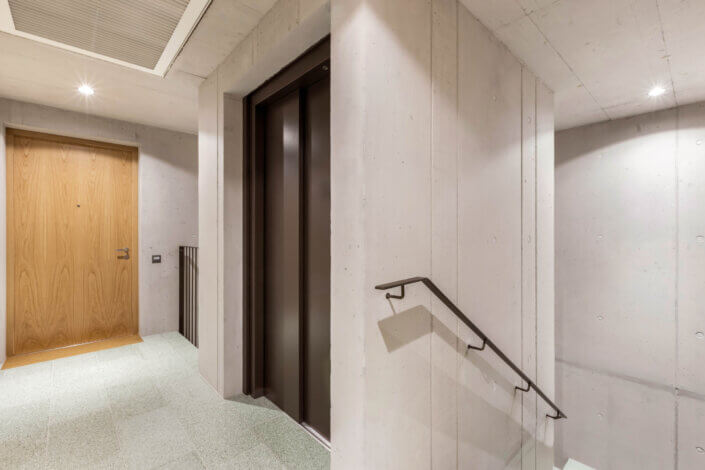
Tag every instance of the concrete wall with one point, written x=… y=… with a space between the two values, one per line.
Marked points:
x=630 y=271
x=167 y=201
x=442 y=166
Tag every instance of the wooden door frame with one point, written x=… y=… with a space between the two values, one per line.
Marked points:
x=10 y=134
x=310 y=67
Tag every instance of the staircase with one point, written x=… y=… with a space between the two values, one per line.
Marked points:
x=574 y=465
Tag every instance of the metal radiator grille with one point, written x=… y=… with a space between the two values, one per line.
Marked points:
x=134 y=31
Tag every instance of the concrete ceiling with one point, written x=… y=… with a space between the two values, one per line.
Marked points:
x=39 y=73
x=601 y=57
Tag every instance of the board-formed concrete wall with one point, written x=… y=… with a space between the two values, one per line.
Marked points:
x=168 y=200
x=630 y=291
x=442 y=166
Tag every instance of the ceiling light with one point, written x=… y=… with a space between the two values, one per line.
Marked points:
x=85 y=90
x=657 y=91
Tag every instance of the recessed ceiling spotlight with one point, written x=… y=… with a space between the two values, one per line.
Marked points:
x=657 y=91
x=86 y=90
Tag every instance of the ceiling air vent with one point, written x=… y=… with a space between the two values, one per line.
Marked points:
x=144 y=34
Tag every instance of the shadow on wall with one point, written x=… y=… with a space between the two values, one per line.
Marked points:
x=603 y=135
x=477 y=399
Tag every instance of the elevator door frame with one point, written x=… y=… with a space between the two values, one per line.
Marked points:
x=309 y=68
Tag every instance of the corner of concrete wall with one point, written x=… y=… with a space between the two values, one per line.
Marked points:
x=545 y=271
x=397 y=97
x=208 y=230
x=3 y=243
x=348 y=243
x=284 y=33
x=233 y=212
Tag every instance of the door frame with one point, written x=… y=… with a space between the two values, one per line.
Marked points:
x=10 y=133
x=310 y=67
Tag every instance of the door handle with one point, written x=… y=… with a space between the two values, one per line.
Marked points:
x=124 y=250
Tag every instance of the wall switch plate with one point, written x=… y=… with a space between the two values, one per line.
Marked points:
x=156 y=259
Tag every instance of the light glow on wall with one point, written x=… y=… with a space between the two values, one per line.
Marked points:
x=86 y=90
x=657 y=91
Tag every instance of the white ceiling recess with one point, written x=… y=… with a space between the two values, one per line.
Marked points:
x=38 y=72
x=601 y=57
x=142 y=34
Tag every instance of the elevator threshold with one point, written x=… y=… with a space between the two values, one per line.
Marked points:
x=319 y=437
x=68 y=351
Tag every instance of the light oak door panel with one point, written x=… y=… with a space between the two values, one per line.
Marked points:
x=45 y=272
x=71 y=205
x=107 y=220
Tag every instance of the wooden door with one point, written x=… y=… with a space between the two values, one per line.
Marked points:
x=287 y=282
x=71 y=204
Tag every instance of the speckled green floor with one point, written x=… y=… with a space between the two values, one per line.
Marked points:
x=141 y=406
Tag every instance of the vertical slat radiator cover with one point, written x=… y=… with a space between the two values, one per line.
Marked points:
x=133 y=31
x=188 y=290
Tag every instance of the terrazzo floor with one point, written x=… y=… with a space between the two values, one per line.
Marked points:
x=141 y=406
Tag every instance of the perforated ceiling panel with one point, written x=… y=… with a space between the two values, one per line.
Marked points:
x=133 y=31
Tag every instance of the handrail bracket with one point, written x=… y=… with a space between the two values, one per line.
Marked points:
x=391 y=296
x=481 y=348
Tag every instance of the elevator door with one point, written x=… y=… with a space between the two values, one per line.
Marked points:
x=282 y=240
x=293 y=134
x=316 y=370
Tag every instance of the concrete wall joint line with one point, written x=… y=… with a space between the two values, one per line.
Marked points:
x=563 y=59
x=536 y=264
x=219 y=182
x=430 y=178
x=457 y=225
x=666 y=55
x=677 y=270
x=521 y=238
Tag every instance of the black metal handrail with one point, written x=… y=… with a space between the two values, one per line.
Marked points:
x=485 y=340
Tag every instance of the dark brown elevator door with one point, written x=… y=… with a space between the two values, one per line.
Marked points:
x=281 y=254
x=296 y=253
x=317 y=257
